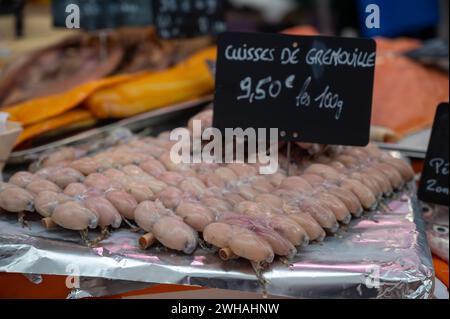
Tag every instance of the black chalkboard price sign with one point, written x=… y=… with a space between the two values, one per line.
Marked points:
x=103 y=14
x=189 y=18
x=14 y=7
x=313 y=89
x=11 y=6
x=434 y=183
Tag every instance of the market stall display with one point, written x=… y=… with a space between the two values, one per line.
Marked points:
x=392 y=244
x=244 y=214
x=104 y=176
x=258 y=218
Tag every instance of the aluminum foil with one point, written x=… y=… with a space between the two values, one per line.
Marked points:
x=383 y=255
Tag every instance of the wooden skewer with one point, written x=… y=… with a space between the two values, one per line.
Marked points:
x=48 y=223
x=146 y=241
x=227 y=254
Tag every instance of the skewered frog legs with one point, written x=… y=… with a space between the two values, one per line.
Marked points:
x=85 y=237
x=105 y=234
x=94 y=242
x=23 y=222
x=259 y=269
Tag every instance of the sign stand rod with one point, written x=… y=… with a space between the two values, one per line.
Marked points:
x=20 y=20
x=288 y=168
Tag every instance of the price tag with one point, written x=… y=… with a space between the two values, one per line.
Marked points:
x=313 y=89
x=10 y=6
x=104 y=14
x=189 y=18
x=14 y=7
x=434 y=184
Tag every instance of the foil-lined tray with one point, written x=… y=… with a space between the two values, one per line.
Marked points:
x=383 y=255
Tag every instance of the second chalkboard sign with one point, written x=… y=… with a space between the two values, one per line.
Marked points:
x=103 y=14
x=434 y=183
x=189 y=18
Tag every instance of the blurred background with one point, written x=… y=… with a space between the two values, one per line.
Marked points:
x=416 y=18
x=30 y=20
